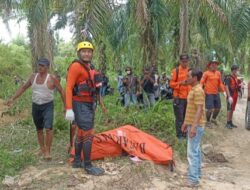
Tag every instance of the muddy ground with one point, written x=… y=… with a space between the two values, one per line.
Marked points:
x=225 y=166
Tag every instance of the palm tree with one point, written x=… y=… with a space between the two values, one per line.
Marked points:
x=38 y=15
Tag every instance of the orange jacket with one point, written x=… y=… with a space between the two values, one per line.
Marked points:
x=180 y=91
x=76 y=74
x=212 y=83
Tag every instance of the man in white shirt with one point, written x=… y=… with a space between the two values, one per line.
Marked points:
x=43 y=85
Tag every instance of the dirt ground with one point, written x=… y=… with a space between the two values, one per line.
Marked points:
x=6 y=118
x=230 y=172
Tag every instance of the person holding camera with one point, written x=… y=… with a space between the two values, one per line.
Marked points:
x=180 y=88
x=147 y=84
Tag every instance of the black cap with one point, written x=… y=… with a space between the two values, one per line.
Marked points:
x=43 y=61
x=234 y=67
x=184 y=56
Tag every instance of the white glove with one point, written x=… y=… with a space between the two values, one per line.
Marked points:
x=225 y=94
x=70 y=116
x=230 y=100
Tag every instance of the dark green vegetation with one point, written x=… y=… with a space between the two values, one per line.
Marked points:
x=139 y=32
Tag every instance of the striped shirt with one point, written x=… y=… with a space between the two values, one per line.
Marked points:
x=195 y=97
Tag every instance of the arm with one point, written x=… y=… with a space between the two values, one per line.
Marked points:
x=203 y=80
x=173 y=83
x=151 y=79
x=59 y=88
x=21 y=90
x=72 y=75
x=222 y=87
x=226 y=87
x=100 y=100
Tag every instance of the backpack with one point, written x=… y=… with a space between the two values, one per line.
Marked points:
x=229 y=77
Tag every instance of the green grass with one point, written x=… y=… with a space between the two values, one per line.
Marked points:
x=17 y=145
x=18 y=141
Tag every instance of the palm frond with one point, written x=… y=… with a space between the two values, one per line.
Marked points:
x=240 y=24
x=141 y=13
x=217 y=10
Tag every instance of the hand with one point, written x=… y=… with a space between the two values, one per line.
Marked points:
x=184 y=82
x=192 y=132
x=230 y=100
x=225 y=94
x=9 y=102
x=184 y=128
x=104 y=110
x=70 y=116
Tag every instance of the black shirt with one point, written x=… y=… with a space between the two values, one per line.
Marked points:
x=147 y=85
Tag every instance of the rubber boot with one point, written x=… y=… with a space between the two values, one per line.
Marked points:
x=215 y=114
x=89 y=168
x=77 y=159
x=228 y=125
x=233 y=125
x=208 y=115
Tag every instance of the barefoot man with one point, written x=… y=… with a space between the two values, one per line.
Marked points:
x=43 y=85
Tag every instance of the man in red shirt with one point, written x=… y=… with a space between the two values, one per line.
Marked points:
x=179 y=85
x=212 y=84
x=233 y=87
x=82 y=90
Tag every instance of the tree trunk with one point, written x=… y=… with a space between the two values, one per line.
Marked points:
x=183 y=26
x=102 y=56
x=41 y=43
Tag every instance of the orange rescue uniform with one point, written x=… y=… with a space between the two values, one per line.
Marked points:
x=212 y=83
x=180 y=91
x=76 y=74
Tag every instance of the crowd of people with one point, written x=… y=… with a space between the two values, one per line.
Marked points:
x=196 y=102
x=143 y=91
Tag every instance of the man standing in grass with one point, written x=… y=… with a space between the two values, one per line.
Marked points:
x=213 y=85
x=194 y=124
x=43 y=86
x=232 y=85
x=180 y=92
x=82 y=92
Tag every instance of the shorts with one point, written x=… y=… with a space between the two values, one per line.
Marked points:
x=84 y=114
x=213 y=101
x=233 y=105
x=43 y=115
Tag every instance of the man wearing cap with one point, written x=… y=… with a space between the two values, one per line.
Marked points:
x=212 y=84
x=43 y=85
x=179 y=85
x=233 y=87
x=82 y=91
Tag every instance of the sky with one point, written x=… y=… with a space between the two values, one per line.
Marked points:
x=21 y=29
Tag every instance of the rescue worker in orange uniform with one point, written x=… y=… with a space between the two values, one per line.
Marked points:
x=233 y=87
x=180 y=88
x=82 y=91
x=212 y=84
